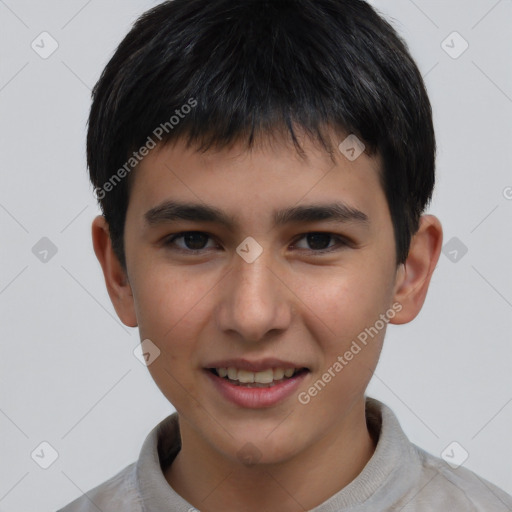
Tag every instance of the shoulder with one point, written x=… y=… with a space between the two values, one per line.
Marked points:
x=117 y=493
x=446 y=488
x=418 y=481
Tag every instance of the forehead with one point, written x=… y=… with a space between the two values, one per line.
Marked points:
x=257 y=181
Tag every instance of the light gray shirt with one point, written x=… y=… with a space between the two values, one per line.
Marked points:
x=400 y=476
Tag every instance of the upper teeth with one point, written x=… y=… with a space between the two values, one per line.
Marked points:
x=264 y=377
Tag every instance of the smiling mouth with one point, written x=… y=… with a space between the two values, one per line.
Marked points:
x=264 y=379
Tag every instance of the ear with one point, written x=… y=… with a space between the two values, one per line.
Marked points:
x=413 y=276
x=116 y=279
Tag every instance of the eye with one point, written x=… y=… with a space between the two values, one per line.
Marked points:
x=194 y=241
x=319 y=242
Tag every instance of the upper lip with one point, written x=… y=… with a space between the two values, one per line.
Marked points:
x=254 y=366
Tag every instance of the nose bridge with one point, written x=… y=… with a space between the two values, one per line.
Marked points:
x=254 y=302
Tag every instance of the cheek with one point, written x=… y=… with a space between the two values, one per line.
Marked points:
x=342 y=303
x=172 y=309
x=169 y=301
x=342 y=319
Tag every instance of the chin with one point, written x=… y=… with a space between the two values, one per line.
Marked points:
x=253 y=451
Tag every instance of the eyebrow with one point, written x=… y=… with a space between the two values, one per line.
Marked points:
x=170 y=211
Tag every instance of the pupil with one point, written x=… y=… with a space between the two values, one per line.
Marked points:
x=316 y=237
x=189 y=240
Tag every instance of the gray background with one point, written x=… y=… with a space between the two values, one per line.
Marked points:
x=68 y=375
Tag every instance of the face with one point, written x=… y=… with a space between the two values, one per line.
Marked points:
x=251 y=279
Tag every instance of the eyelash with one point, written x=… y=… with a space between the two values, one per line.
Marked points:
x=341 y=242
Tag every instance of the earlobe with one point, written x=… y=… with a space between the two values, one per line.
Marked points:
x=413 y=277
x=116 y=279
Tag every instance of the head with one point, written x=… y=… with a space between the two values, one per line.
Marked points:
x=226 y=119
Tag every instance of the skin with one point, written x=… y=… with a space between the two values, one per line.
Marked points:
x=292 y=303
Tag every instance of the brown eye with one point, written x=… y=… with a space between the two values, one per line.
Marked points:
x=192 y=241
x=195 y=241
x=321 y=242
x=318 y=241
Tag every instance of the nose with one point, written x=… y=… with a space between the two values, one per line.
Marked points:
x=255 y=302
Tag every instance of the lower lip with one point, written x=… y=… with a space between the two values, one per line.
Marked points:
x=255 y=398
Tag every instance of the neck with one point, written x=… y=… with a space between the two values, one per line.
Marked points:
x=211 y=482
